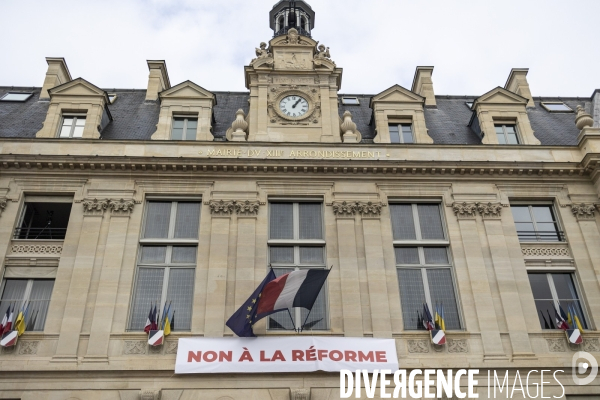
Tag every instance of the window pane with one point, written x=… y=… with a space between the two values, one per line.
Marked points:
x=436 y=255
x=499 y=130
x=184 y=254
x=190 y=133
x=540 y=287
x=80 y=121
x=441 y=290
x=317 y=319
x=430 y=221
x=179 y=295
x=14 y=290
x=407 y=255
x=177 y=134
x=65 y=131
x=281 y=255
x=565 y=289
x=311 y=255
x=39 y=300
x=281 y=320
x=394 y=134
x=178 y=123
x=412 y=297
x=407 y=134
x=402 y=222
x=148 y=292
x=512 y=138
x=545 y=311
x=78 y=131
x=521 y=213
x=157 y=220
x=542 y=214
x=281 y=221
x=501 y=138
x=192 y=123
x=67 y=121
x=153 y=254
x=187 y=220
x=510 y=129
x=310 y=221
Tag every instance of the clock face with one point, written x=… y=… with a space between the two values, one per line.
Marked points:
x=293 y=106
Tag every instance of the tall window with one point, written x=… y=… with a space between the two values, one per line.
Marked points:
x=72 y=126
x=167 y=262
x=31 y=294
x=555 y=291
x=423 y=263
x=536 y=223
x=507 y=134
x=401 y=133
x=184 y=128
x=43 y=221
x=296 y=242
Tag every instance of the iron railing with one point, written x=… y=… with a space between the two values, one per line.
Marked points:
x=540 y=236
x=40 y=233
x=285 y=30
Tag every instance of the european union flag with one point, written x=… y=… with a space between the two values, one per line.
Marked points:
x=241 y=321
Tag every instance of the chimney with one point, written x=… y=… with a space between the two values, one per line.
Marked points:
x=158 y=80
x=423 y=85
x=57 y=74
x=517 y=83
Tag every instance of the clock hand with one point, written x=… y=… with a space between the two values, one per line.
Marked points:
x=295 y=104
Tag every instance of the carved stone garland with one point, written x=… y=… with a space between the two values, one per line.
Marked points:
x=464 y=210
x=489 y=210
x=349 y=209
x=121 y=206
x=583 y=211
x=94 y=206
x=227 y=207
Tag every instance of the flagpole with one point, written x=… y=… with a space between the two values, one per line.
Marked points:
x=292 y=319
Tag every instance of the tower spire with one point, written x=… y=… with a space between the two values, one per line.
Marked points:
x=287 y=14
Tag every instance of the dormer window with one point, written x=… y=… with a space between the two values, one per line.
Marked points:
x=350 y=101
x=15 y=96
x=401 y=133
x=556 y=107
x=507 y=133
x=184 y=128
x=112 y=97
x=72 y=126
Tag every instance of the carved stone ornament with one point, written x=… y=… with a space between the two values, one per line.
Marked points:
x=135 y=347
x=583 y=119
x=545 y=252
x=591 y=345
x=556 y=345
x=2 y=205
x=221 y=207
x=246 y=207
x=418 y=346
x=94 y=206
x=322 y=58
x=171 y=347
x=28 y=347
x=348 y=129
x=239 y=128
x=583 y=211
x=489 y=210
x=300 y=394
x=458 y=346
x=264 y=58
x=464 y=210
x=121 y=206
x=150 y=394
x=36 y=248
x=345 y=208
x=370 y=209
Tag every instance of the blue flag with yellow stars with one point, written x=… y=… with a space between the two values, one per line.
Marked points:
x=241 y=321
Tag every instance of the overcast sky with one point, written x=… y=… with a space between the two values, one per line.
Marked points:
x=472 y=44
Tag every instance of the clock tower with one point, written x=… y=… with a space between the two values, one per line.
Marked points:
x=293 y=82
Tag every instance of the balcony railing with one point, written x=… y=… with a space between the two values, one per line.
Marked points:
x=283 y=31
x=40 y=233
x=538 y=236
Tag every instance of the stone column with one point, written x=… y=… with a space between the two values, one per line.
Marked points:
x=221 y=212
x=482 y=294
x=378 y=295
x=68 y=340
x=97 y=350
x=348 y=263
x=509 y=294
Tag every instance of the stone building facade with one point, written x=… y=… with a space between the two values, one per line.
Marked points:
x=111 y=200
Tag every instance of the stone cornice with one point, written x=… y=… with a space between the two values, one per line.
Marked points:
x=228 y=207
x=367 y=209
x=583 y=211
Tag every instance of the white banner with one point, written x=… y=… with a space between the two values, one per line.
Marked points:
x=284 y=354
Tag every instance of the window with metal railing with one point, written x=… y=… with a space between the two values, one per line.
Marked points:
x=43 y=221
x=536 y=223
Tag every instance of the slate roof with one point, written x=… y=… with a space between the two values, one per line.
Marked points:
x=136 y=119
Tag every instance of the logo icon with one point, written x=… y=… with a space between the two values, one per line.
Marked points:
x=584 y=363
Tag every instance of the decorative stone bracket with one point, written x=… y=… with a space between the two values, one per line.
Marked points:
x=2 y=206
x=228 y=207
x=466 y=210
x=351 y=208
x=94 y=206
x=121 y=206
x=300 y=394
x=150 y=394
x=583 y=212
x=117 y=207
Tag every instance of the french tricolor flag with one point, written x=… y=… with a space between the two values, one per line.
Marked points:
x=296 y=289
x=574 y=336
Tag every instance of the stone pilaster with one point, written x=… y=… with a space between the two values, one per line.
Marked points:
x=97 y=350
x=509 y=294
x=68 y=340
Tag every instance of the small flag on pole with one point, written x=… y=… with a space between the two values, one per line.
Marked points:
x=156 y=338
x=438 y=336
